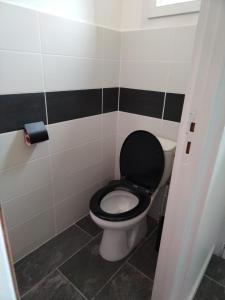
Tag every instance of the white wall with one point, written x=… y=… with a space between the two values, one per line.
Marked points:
x=154 y=60
x=48 y=186
x=7 y=291
x=135 y=16
x=57 y=188
x=99 y=12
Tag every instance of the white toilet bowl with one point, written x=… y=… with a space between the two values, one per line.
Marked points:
x=120 y=208
x=119 y=238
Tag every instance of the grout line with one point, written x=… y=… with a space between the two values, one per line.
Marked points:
x=42 y=53
x=215 y=281
x=113 y=275
x=42 y=244
x=42 y=65
x=37 y=284
x=86 y=244
x=76 y=194
x=139 y=271
x=145 y=239
x=83 y=230
x=59 y=265
x=49 y=208
x=53 y=206
x=82 y=247
x=164 y=105
x=81 y=218
x=21 y=164
x=127 y=262
x=71 y=283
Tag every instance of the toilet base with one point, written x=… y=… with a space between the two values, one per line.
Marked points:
x=117 y=244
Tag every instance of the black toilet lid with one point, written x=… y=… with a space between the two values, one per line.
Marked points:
x=142 y=159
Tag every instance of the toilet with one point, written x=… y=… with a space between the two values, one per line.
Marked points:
x=120 y=207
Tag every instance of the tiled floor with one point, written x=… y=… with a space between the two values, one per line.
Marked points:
x=212 y=286
x=69 y=267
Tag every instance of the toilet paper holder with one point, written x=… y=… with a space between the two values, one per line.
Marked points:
x=35 y=133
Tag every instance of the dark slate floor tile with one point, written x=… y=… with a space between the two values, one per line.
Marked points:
x=151 y=225
x=127 y=284
x=216 y=269
x=53 y=287
x=145 y=258
x=88 y=271
x=45 y=259
x=89 y=226
x=209 y=290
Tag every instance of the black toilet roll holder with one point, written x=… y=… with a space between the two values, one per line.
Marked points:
x=35 y=133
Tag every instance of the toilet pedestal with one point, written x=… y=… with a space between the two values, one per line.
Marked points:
x=117 y=244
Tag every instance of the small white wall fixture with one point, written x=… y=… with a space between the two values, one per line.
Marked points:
x=177 y=277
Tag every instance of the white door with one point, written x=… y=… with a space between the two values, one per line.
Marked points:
x=176 y=278
x=8 y=286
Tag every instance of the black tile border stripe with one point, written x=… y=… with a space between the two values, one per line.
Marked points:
x=110 y=99
x=150 y=103
x=69 y=105
x=173 y=107
x=142 y=102
x=18 y=109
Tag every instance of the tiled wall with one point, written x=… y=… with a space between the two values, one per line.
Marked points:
x=155 y=65
x=65 y=73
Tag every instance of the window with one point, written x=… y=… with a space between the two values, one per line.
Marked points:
x=160 y=8
x=169 y=2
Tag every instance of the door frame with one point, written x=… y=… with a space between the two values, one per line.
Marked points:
x=192 y=172
x=9 y=286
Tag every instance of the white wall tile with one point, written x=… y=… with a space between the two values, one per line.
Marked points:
x=144 y=75
x=184 y=38
x=112 y=43
x=77 y=182
x=72 y=209
x=20 y=73
x=22 y=209
x=109 y=153
x=108 y=170
x=128 y=123
x=25 y=238
x=170 y=130
x=19 y=28
x=111 y=71
x=109 y=124
x=109 y=148
x=154 y=44
x=68 y=37
x=68 y=73
x=70 y=134
x=178 y=77
x=24 y=178
x=13 y=149
x=68 y=162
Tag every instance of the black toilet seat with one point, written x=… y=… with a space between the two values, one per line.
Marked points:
x=143 y=196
